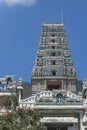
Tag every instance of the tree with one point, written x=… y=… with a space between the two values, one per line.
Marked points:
x=10 y=101
x=21 y=119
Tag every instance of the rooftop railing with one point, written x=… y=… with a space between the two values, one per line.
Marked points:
x=59 y=101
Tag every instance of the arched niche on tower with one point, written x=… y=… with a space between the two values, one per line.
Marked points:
x=9 y=80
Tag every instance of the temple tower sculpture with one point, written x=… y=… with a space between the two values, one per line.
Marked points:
x=53 y=68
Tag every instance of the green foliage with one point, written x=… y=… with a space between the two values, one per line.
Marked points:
x=21 y=119
x=7 y=101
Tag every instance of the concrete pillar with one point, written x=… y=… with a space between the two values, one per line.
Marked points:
x=19 y=92
x=86 y=94
x=45 y=85
x=62 y=85
x=80 y=120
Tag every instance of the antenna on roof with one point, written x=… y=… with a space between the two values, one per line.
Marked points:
x=62 y=20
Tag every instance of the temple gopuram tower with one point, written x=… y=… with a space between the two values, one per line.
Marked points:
x=53 y=68
x=54 y=83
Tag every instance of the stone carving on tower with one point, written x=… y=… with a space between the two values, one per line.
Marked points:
x=53 y=68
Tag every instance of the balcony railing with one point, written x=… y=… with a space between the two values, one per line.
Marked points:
x=59 y=101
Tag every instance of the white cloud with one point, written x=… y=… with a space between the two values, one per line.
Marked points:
x=18 y=2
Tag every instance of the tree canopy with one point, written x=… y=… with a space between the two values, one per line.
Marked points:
x=20 y=119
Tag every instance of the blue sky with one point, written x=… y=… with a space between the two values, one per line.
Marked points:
x=20 y=26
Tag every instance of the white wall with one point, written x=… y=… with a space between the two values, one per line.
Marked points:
x=75 y=127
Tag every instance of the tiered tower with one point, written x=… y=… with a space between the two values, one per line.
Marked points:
x=53 y=68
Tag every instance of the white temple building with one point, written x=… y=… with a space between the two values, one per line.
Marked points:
x=55 y=85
